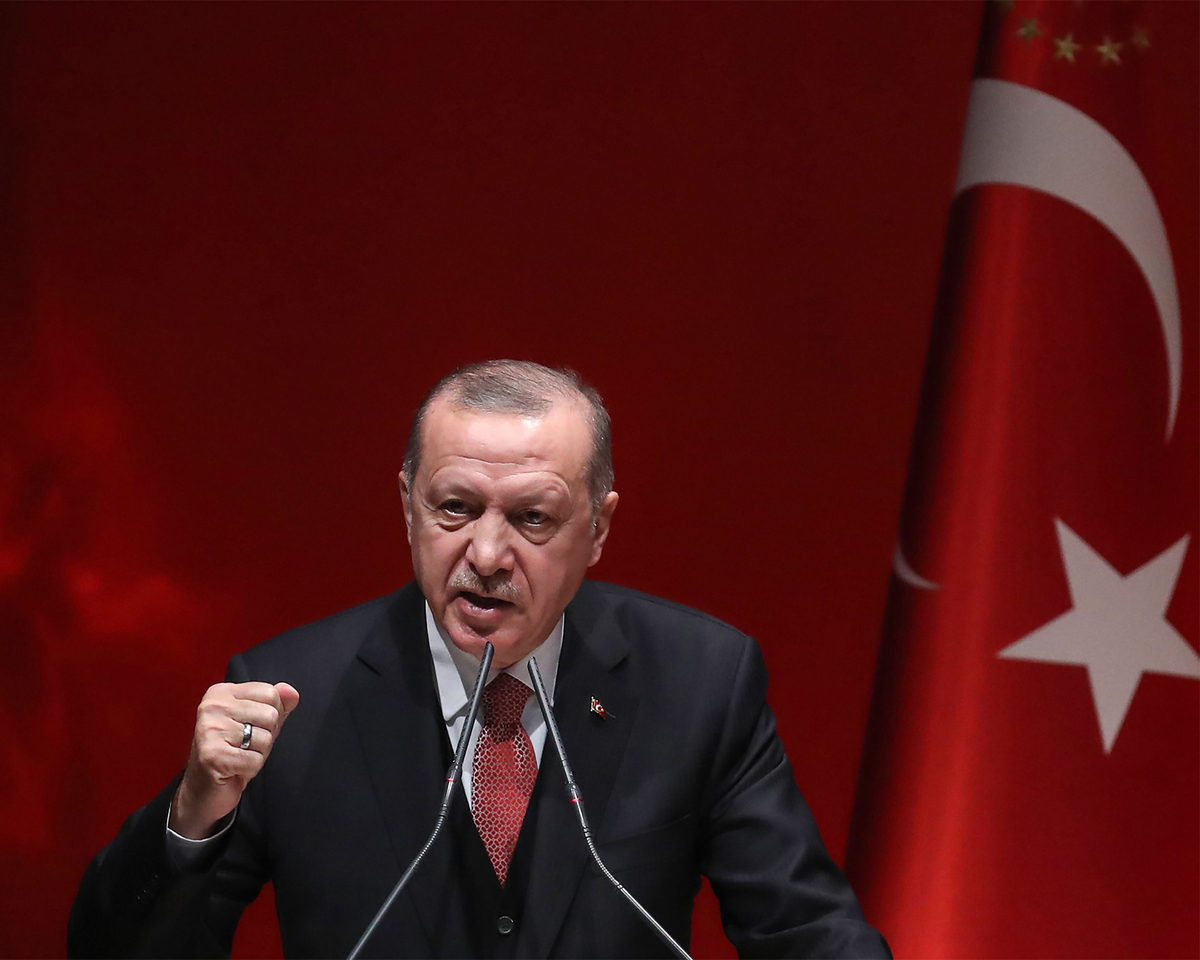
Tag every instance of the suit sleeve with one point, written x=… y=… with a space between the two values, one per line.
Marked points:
x=780 y=892
x=134 y=902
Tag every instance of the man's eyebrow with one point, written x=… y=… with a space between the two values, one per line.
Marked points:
x=452 y=486
x=549 y=492
x=547 y=484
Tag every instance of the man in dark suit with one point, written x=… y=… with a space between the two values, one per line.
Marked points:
x=507 y=490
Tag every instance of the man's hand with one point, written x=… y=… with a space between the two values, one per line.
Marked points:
x=219 y=769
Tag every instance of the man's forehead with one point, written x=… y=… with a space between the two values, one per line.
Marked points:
x=559 y=438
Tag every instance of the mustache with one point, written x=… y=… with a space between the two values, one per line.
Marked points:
x=499 y=585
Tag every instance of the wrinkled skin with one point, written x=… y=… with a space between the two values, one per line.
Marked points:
x=501 y=523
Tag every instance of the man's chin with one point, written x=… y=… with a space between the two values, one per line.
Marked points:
x=471 y=638
x=507 y=653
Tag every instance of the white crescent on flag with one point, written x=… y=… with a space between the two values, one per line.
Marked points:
x=1022 y=136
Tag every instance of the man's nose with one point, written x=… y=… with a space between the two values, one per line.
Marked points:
x=489 y=549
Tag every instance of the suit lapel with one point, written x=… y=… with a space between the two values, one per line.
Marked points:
x=398 y=720
x=594 y=663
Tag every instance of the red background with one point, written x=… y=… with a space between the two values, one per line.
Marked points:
x=240 y=242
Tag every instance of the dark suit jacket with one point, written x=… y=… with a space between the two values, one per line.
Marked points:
x=686 y=776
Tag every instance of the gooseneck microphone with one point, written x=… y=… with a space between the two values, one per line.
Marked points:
x=452 y=775
x=577 y=803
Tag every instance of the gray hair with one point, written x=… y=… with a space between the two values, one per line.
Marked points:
x=526 y=389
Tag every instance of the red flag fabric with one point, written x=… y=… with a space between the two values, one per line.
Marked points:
x=1031 y=783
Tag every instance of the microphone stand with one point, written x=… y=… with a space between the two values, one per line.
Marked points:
x=452 y=775
x=577 y=802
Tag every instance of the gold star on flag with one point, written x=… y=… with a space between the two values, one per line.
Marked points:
x=1109 y=51
x=1029 y=30
x=1141 y=38
x=1065 y=48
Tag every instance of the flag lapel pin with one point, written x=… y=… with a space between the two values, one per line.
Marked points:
x=598 y=709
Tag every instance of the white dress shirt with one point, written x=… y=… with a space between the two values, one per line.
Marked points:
x=454 y=672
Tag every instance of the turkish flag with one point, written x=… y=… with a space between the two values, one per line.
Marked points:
x=1031 y=783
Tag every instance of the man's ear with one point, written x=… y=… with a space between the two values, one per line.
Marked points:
x=601 y=524
x=406 y=499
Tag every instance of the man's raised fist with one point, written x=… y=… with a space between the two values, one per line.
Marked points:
x=236 y=726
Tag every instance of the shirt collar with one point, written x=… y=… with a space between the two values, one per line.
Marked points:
x=455 y=669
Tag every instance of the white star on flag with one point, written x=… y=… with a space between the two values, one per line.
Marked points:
x=1117 y=627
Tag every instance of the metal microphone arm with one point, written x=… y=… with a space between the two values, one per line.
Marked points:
x=452 y=774
x=577 y=802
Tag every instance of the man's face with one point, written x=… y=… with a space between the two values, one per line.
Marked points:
x=501 y=524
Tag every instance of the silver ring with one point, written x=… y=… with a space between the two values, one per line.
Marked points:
x=247 y=733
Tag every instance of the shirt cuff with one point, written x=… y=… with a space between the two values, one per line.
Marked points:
x=194 y=856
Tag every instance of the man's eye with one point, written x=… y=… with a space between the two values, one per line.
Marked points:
x=533 y=518
x=456 y=508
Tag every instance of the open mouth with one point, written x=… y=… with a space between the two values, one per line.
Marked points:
x=482 y=602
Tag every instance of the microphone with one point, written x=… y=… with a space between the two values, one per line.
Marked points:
x=452 y=774
x=577 y=802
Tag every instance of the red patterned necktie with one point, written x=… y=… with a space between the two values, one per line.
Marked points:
x=504 y=771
